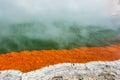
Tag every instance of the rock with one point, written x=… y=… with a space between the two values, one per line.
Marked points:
x=10 y=75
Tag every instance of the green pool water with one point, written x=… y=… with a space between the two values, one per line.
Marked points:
x=57 y=24
x=36 y=36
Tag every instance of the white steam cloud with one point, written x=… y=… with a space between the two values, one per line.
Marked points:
x=62 y=21
x=81 y=11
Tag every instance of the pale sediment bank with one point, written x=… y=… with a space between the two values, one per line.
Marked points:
x=69 y=71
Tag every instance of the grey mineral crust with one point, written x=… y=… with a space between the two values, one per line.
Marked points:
x=69 y=71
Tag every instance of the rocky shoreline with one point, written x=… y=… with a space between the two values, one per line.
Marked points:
x=69 y=71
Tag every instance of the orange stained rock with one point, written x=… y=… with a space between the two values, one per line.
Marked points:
x=32 y=60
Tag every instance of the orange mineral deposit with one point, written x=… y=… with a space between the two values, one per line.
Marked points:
x=32 y=60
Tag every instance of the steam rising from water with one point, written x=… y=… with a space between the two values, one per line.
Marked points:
x=56 y=24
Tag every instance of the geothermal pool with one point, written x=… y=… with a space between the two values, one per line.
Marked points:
x=66 y=24
x=55 y=39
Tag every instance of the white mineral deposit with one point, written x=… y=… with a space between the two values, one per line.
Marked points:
x=69 y=71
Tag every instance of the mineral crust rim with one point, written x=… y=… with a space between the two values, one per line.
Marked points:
x=96 y=70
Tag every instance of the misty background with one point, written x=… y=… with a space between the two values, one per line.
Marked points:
x=57 y=24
